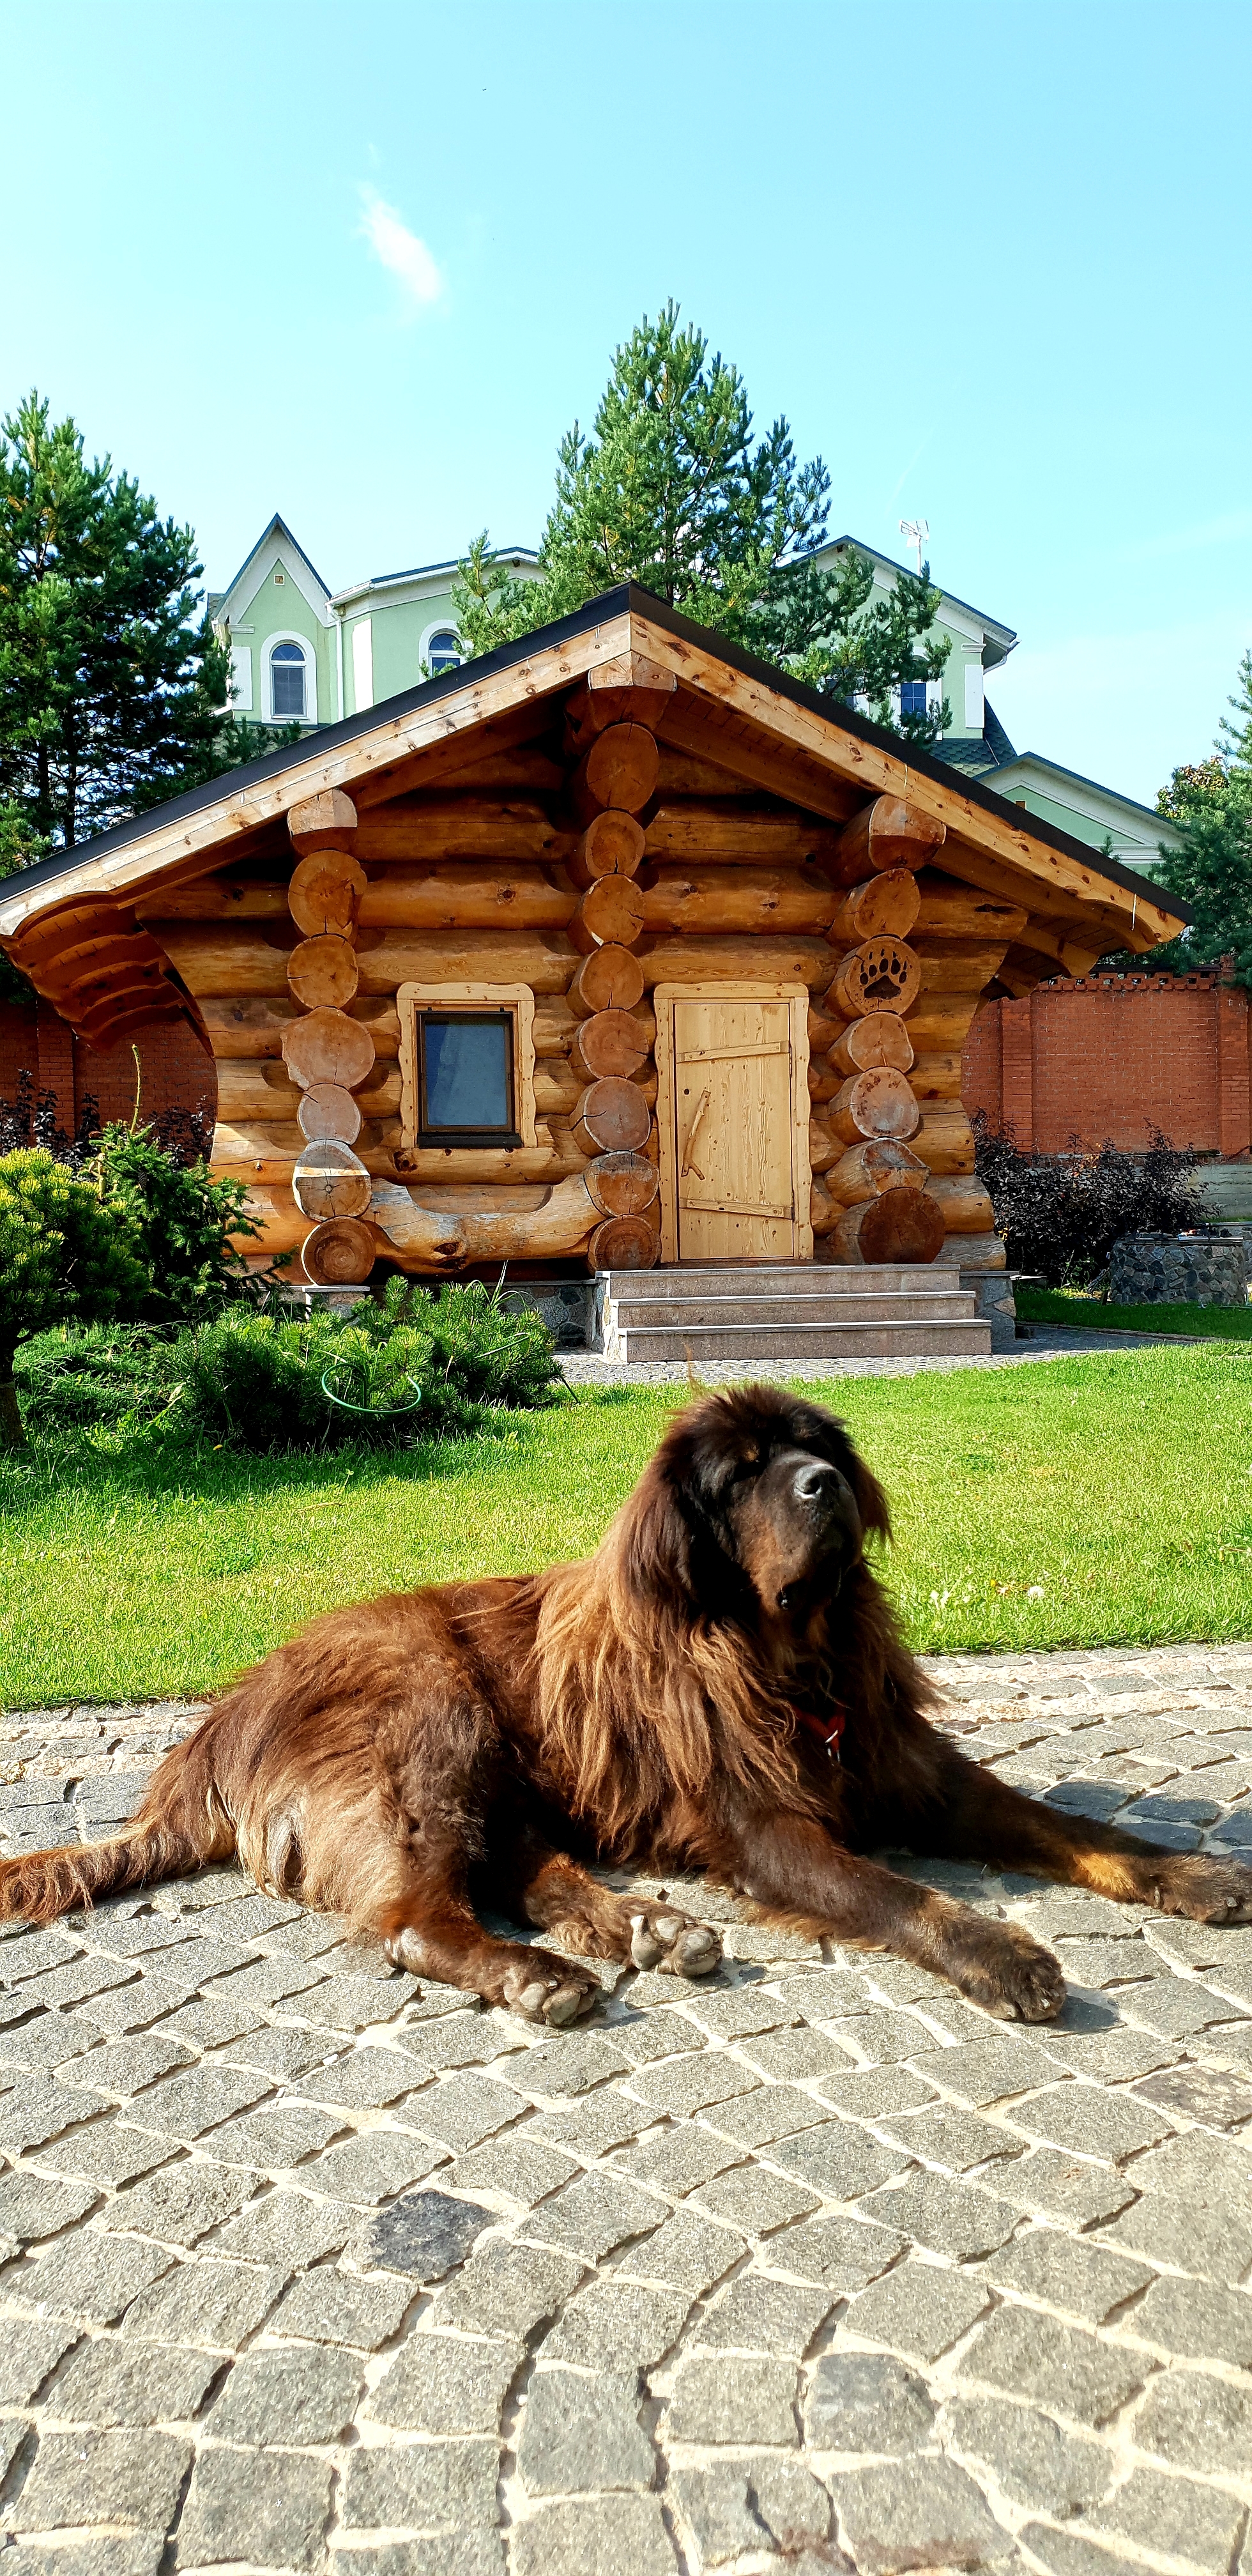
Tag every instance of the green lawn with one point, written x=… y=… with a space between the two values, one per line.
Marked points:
x=1064 y=1306
x=1084 y=1499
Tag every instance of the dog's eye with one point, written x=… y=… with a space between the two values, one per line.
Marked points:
x=745 y=1470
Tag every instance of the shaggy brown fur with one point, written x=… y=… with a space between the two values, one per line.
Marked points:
x=666 y=1700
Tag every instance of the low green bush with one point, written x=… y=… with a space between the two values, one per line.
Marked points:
x=411 y=1367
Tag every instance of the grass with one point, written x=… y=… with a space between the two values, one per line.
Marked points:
x=1068 y=1306
x=1089 y=1499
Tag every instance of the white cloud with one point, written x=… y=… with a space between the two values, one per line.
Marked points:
x=399 y=250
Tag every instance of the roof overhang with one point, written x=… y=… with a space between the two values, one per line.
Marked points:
x=743 y=713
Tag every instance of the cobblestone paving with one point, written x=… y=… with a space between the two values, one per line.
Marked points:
x=811 y=2267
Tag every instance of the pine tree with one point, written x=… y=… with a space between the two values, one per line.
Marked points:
x=110 y=691
x=1212 y=799
x=669 y=490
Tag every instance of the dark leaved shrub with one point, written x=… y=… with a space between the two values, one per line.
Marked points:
x=1061 y=1214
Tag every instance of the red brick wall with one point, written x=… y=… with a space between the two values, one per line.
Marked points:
x=176 y=1071
x=1115 y=1056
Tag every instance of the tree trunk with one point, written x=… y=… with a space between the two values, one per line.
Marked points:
x=887 y=833
x=624 y=1243
x=330 y=1180
x=611 y=911
x=620 y=769
x=612 y=845
x=704 y=898
x=12 y=1427
x=902 y=1226
x=880 y=1038
x=322 y=973
x=325 y=893
x=611 y=979
x=887 y=904
x=327 y=1111
x=463 y=896
x=877 y=1103
x=339 y=1254
x=965 y=1203
x=326 y=821
x=881 y=975
x=611 y=1117
x=613 y=1042
x=622 y=1184
x=865 y=1171
x=328 y=1047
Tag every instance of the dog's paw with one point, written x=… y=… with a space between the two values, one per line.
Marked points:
x=1210 y=1891
x=663 y=1937
x=544 y=1988
x=1009 y=1975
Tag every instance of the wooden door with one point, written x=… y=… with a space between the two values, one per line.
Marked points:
x=734 y=1130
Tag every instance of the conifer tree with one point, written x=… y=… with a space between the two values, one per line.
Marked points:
x=670 y=490
x=110 y=689
x=1212 y=799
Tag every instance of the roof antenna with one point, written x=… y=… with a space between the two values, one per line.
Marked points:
x=917 y=531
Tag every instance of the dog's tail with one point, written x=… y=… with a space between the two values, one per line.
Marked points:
x=182 y=1823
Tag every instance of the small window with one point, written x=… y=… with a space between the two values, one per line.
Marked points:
x=912 y=697
x=287 y=681
x=444 y=652
x=465 y=1078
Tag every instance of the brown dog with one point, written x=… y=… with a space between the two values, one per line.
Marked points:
x=720 y=1687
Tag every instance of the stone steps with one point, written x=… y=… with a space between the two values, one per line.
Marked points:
x=781 y=1311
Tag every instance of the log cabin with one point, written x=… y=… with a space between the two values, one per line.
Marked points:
x=611 y=949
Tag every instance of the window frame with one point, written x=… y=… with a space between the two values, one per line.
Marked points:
x=515 y=1002
x=441 y=626
x=287 y=635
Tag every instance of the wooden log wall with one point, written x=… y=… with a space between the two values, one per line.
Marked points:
x=591 y=870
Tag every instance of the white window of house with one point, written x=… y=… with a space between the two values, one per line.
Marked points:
x=290 y=690
x=442 y=649
x=363 y=662
x=913 y=697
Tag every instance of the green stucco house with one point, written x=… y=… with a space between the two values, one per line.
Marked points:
x=300 y=651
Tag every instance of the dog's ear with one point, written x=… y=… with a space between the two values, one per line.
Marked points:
x=656 y=1540
x=871 y=1502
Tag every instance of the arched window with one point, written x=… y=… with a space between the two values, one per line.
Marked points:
x=443 y=652
x=287 y=682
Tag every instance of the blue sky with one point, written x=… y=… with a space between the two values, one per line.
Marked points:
x=364 y=264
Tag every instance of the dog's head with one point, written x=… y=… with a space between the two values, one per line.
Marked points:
x=755 y=1506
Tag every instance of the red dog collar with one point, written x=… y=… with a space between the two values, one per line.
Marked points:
x=828 y=1730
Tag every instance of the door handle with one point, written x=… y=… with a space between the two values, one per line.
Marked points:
x=687 y=1165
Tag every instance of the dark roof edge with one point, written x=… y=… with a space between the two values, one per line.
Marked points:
x=628 y=596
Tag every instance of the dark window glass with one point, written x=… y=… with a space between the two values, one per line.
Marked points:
x=287 y=680
x=912 y=697
x=445 y=652
x=467 y=1075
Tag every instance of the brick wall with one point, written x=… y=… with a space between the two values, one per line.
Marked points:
x=176 y=1071
x=1114 y=1056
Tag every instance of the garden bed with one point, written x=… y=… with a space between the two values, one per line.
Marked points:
x=1104 y=1497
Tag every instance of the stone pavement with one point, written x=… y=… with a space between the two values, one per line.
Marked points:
x=810 y=2267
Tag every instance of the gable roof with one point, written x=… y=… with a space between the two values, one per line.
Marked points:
x=277 y=528
x=745 y=714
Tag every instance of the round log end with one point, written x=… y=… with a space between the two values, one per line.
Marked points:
x=322 y=972
x=880 y=975
x=339 y=1254
x=880 y=1038
x=326 y=1110
x=328 y=1047
x=623 y=1184
x=611 y=1117
x=610 y=911
x=612 y=845
x=624 y=1243
x=325 y=892
x=326 y=821
x=622 y=767
x=328 y=1180
x=902 y=1226
x=611 y=979
x=613 y=1042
